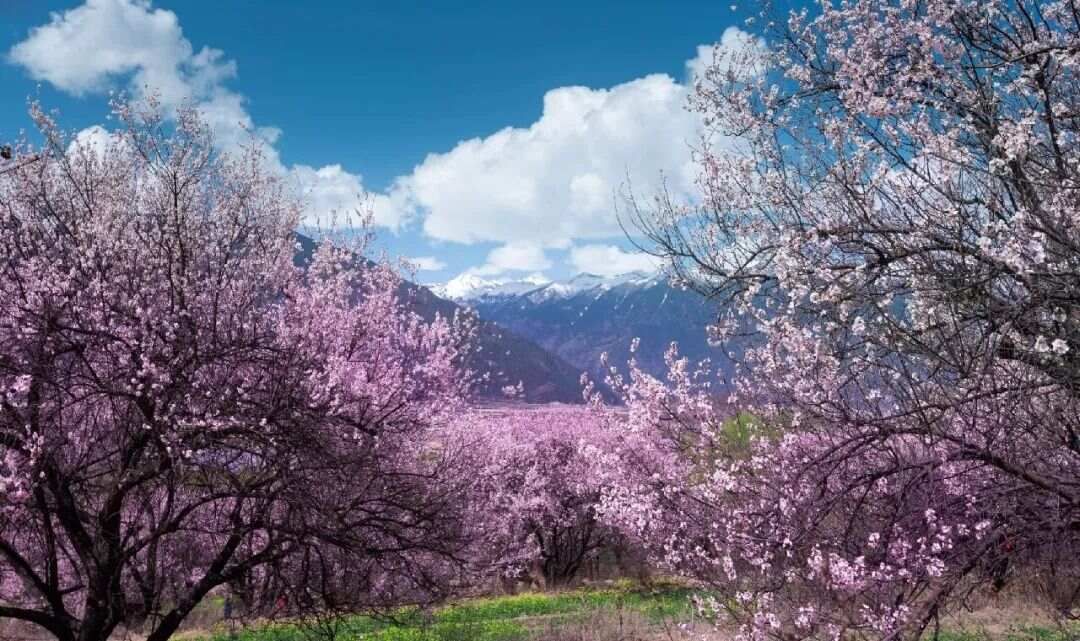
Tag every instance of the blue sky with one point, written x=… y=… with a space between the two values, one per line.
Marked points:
x=492 y=137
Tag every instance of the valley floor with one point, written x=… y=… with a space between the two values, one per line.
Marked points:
x=620 y=613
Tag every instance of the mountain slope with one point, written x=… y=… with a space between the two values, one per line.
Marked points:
x=580 y=318
x=504 y=356
x=507 y=357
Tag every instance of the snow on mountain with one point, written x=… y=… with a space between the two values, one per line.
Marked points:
x=581 y=317
x=468 y=287
x=471 y=288
x=592 y=284
x=499 y=356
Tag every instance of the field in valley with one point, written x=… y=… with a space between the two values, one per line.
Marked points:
x=620 y=613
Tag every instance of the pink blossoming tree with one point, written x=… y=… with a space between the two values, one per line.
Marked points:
x=891 y=217
x=181 y=407
x=539 y=490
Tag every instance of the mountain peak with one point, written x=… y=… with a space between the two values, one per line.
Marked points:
x=470 y=287
x=583 y=316
x=586 y=276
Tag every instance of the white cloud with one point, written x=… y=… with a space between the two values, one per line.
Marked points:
x=92 y=47
x=517 y=256
x=95 y=139
x=735 y=52
x=427 y=263
x=336 y=197
x=558 y=180
x=609 y=260
x=81 y=50
x=549 y=185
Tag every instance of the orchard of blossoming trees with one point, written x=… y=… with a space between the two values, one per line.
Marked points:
x=182 y=408
x=892 y=217
x=890 y=220
x=541 y=491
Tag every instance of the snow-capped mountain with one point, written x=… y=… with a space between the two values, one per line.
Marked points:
x=592 y=284
x=468 y=287
x=584 y=316
x=499 y=357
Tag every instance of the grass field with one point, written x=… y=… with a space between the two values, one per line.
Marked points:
x=1018 y=633
x=589 y=615
x=621 y=613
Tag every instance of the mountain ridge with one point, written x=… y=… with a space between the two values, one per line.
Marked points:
x=581 y=317
x=470 y=287
x=499 y=358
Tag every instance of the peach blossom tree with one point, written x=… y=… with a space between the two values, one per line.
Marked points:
x=182 y=407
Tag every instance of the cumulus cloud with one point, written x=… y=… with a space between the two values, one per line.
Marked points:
x=609 y=260
x=530 y=189
x=427 y=263
x=81 y=50
x=518 y=257
x=558 y=180
x=735 y=52
x=103 y=44
x=95 y=139
x=335 y=197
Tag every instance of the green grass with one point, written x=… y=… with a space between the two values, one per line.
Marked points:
x=486 y=631
x=656 y=604
x=525 y=617
x=1024 y=633
x=504 y=618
